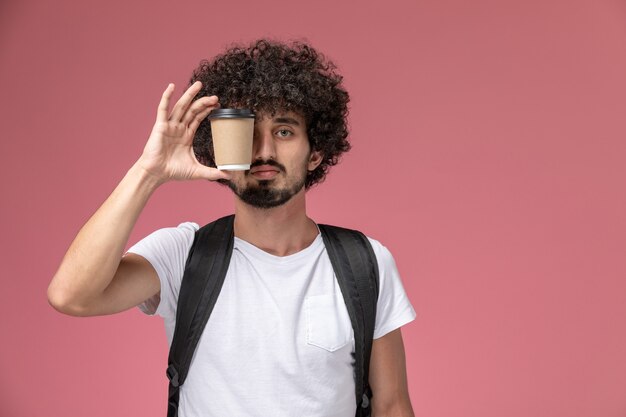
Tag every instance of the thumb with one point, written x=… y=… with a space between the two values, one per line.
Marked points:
x=212 y=174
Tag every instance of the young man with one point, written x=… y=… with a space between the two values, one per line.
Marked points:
x=279 y=341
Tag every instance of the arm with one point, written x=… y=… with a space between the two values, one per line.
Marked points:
x=93 y=278
x=390 y=394
x=94 y=260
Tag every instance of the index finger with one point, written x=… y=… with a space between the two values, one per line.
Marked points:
x=165 y=103
x=184 y=102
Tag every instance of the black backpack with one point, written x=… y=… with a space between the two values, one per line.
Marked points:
x=356 y=269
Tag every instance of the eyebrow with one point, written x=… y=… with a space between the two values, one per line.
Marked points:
x=287 y=120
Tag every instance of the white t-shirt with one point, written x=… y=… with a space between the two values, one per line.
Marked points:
x=279 y=341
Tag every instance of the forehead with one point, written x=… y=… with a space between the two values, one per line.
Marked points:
x=283 y=117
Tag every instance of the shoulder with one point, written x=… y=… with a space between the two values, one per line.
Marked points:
x=380 y=250
x=383 y=255
x=387 y=267
x=185 y=228
x=182 y=231
x=167 y=238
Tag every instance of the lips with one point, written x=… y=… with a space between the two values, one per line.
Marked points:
x=263 y=168
x=264 y=171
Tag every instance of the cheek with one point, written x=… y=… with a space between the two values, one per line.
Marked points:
x=237 y=176
x=294 y=154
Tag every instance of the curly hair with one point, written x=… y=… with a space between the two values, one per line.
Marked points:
x=269 y=76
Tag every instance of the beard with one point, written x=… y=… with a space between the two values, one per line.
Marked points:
x=263 y=195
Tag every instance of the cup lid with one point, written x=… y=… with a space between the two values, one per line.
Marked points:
x=231 y=114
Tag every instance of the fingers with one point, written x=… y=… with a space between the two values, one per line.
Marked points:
x=213 y=174
x=201 y=116
x=199 y=110
x=181 y=106
x=165 y=103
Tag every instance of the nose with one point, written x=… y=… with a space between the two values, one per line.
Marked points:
x=263 y=145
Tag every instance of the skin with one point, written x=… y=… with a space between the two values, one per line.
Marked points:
x=95 y=278
x=285 y=229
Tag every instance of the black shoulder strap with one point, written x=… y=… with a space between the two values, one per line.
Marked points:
x=356 y=268
x=202 y=282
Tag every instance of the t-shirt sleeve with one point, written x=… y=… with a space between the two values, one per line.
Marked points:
x=166 y=250
x=393 y=309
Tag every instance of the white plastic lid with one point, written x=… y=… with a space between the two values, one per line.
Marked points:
x=233 y=167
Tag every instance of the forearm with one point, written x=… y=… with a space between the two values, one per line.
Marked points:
x=94 y=256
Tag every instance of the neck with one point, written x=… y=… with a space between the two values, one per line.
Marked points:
x=281 y=231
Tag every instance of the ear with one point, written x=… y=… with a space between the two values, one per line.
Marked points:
x=315 y=159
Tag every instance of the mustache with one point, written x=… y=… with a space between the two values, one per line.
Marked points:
x=270 y=162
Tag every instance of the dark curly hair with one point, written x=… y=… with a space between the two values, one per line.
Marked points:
x=269 y=76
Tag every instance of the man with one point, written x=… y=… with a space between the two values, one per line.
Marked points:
x=279 y=341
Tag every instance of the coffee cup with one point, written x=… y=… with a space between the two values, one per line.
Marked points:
x=232 y=131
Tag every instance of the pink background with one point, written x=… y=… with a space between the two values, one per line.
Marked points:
x=489 y=156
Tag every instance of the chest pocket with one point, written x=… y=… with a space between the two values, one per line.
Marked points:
x=327 y=322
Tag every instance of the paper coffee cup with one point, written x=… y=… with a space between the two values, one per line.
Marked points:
x=232 y=131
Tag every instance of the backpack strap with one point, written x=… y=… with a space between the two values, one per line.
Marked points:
x=356 y=269
x=202 y=282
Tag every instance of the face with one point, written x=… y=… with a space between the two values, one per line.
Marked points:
x=281 y=159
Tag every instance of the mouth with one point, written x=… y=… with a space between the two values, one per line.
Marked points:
x=264 y=172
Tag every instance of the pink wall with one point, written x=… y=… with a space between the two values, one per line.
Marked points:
x=489 y=156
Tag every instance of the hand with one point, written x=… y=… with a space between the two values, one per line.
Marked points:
x=168 y=155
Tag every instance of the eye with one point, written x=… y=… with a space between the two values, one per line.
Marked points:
x=284 y=133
